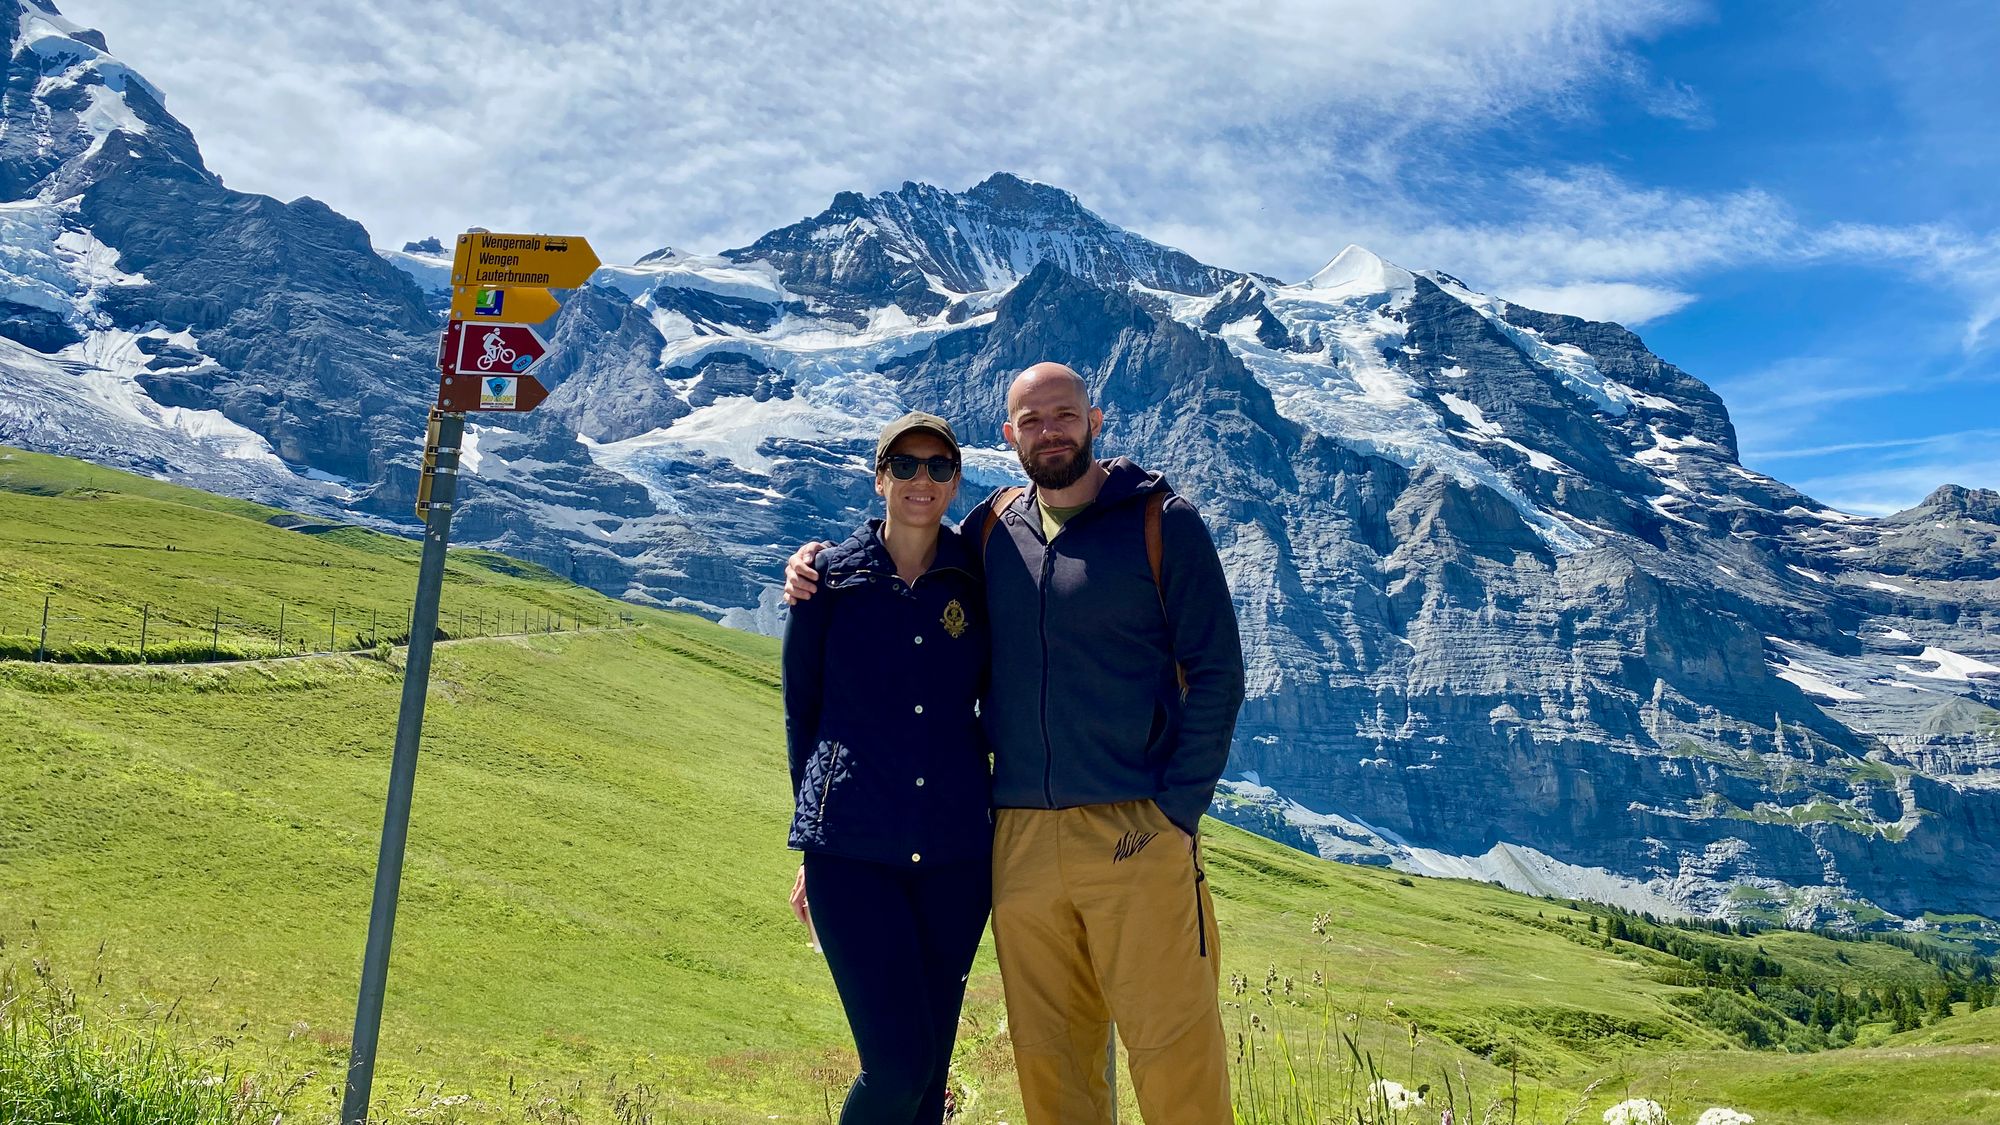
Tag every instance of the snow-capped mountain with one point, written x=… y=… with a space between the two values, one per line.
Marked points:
x=1512 y=607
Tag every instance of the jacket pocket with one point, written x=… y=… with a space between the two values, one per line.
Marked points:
x=836 y=764
x=829 y=765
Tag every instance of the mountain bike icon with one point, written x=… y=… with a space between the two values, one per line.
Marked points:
x=495 y=353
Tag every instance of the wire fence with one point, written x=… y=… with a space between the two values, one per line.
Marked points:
x=92 y=632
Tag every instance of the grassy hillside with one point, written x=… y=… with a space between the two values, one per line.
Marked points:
x=593 y=927
x=102 y=546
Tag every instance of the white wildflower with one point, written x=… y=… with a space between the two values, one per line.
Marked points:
x=1395 y=1095
x=1720 y=1115
x=211 y=1080
x=1636 y=1111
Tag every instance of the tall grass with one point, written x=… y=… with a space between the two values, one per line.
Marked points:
x=58 y=1066
x=1301 y=1058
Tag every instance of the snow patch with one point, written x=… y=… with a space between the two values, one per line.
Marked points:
x=107 y=378
x=1359 y=273
x=1812 y=683
x=1950 y=666
x=1474 y=417
x=710 y=273
x=431 y=272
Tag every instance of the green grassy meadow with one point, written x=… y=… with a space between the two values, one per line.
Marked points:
x=102 y=546
x=593 y=927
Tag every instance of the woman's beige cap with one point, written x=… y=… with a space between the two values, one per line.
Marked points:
x=914 y=420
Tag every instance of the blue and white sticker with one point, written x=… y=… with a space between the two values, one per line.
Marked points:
x=499 y=393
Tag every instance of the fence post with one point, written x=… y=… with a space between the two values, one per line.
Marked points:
x=145 y=619
x=42 y=646
x=215 y=637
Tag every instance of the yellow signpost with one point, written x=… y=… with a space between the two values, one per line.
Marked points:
x=511 y=305
x=536 y=261
x=500 y=286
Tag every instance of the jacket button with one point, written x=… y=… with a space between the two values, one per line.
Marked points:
x=920 y=708
x=920 y=783
x=916 y=857
x=920 y=638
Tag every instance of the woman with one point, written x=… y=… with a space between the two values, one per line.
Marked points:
x=882 y=677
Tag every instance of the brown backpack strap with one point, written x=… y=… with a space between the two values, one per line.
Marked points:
x=1155 y=548
x=1003 y=500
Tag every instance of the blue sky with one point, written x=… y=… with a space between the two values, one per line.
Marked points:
x=1792 y=202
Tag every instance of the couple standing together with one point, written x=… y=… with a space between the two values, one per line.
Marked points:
x=1081 y=630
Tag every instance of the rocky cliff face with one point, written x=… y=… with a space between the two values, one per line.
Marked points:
x=1512 y=607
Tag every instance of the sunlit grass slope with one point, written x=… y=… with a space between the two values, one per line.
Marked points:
x=101 y=545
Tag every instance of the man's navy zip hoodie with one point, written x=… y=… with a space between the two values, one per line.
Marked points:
x=881 y=684
x=1085 y=707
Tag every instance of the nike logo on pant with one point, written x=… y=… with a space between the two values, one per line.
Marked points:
x=1130 y=844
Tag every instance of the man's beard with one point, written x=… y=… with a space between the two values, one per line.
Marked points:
x=1062 y=473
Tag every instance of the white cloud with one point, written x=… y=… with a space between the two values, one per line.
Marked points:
x=1933 y=440
x=1619 y=301
x=1259 y=136
x=704 y=125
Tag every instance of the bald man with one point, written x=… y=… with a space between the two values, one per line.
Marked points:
x=1117 y=675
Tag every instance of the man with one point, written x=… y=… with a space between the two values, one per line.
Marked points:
x=1117 y=675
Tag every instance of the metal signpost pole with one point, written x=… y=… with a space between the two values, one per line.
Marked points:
x=500 y=287
x=442 y=465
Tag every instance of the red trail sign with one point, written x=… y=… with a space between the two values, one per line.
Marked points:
x=472 y=348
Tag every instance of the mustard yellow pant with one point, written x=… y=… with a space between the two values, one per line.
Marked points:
x=1101 y=915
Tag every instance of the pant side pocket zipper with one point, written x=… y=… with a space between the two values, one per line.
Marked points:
x=1200 y=915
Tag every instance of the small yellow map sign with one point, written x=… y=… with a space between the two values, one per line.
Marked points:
x=532 y=261
x=490 y=302
x=497 y=393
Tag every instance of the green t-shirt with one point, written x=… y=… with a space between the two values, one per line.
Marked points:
x=1053 y=519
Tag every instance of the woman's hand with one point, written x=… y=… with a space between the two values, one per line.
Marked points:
x=799 y=897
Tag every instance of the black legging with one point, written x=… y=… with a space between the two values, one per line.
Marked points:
x=900 y=943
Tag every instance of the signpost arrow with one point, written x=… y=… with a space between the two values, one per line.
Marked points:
x=490 y=303
x=516 y=393
x=491 y=349
x=484 y=367
x=537 y=261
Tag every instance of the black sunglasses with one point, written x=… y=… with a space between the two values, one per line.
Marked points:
x=903 y=466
